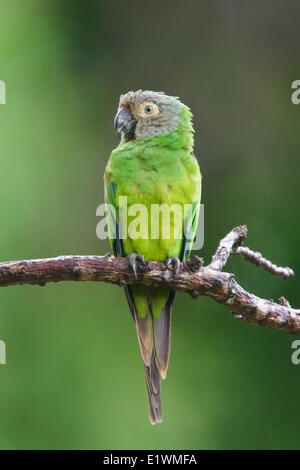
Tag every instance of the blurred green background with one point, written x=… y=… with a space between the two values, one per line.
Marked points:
x=74 y=375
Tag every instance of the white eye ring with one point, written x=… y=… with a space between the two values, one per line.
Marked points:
x=148 y=109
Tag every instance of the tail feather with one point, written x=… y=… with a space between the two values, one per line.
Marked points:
x=152 y=377
x=143 y=328
x=162 y=336
x=154 y=335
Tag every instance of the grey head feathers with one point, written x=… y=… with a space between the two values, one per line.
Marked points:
x=164 y=118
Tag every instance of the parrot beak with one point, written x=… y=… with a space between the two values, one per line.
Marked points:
x=125 y=123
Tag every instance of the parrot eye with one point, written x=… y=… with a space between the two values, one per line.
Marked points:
x=148 y=109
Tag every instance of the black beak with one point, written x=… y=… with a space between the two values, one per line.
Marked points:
x=125 y=122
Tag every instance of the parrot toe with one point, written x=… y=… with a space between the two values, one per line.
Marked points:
x=136 y=263
x=174 y=263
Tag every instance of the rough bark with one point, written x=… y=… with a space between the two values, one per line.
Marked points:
x=193 y=278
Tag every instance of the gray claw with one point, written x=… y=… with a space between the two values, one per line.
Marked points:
x=135 y=262
x=174 y=263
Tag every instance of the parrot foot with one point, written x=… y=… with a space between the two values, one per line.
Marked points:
x=136 y=263
x=174 y=263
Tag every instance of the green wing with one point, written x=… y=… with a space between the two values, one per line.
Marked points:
x=190 y=229
x=112 y=213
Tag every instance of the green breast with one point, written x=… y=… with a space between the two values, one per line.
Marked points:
x=154 y=175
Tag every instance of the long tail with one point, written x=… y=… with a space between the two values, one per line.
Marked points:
x=154 y=335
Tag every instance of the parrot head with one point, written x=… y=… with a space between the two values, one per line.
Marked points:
x=147 y=114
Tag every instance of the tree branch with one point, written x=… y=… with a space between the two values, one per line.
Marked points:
x=193 y=278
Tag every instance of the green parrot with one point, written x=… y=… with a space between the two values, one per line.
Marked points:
x=153 y=165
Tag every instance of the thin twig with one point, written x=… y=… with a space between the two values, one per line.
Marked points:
x=232 y=243
x=257 y=258
x=227 y=245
